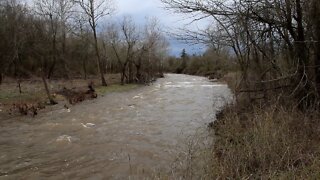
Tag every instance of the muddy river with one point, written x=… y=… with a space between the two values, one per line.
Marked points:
x=119 y=136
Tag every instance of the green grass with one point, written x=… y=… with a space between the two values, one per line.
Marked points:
x=7 y=96
x=11 y=96
x=115 y=88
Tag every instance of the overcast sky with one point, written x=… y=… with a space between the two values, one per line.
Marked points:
x=140 y=9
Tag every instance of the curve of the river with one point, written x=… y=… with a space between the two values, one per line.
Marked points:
x=117 y=136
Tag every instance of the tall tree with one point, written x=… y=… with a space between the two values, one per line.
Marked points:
x=64 y=11
x=47 y=9
x=95 y=10
x=155 y=45
x=123 y=38
x=57 y=12
x=14 y=39
x=260 y=33
x=315 y=21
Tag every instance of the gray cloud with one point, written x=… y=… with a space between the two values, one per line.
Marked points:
x=170 y=22
x=139 y=10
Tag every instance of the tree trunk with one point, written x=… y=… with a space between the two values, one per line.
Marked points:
x=103 y=80
x=51 y=100
x=1 y=78
x=315 y=13
x=317 y=62
x=63 y=54
x=123 y=73
x=84 y=65
x=317 y=66
x=19 y=86
x=301 y=53
x=130 y=72
x=300 y=41
x=51 y=69
x=138 y=73
x=54 y=48
x=122 y=78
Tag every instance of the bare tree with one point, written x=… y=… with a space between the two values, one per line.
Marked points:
x=315 y=21
x=40 y=51
x=64 y=12
x=14 y=40
x=125 y=42
x=131 y=37
x=138 y=51
x=57 y=12
x=95 y=10
x=155 y=45
x=83 y=37
x=47 y=9
x=260 y=33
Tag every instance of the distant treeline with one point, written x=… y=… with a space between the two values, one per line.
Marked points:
x=212 y=63
x=62 y=39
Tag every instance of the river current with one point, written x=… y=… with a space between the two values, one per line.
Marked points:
x=123 y=135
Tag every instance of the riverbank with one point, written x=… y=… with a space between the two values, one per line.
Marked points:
x=33 y=95
x=271 y=139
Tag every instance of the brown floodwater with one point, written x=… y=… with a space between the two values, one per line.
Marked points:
x=123 y=135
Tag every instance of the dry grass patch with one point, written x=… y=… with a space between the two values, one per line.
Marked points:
x=269 y=142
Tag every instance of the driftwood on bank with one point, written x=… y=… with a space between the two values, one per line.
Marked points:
x=26 y=108
x=76 y=96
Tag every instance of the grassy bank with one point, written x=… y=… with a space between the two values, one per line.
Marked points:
x=266 y=142
x=33 y=90
x=33 y=93
x=268 y=139
x=101 y=90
